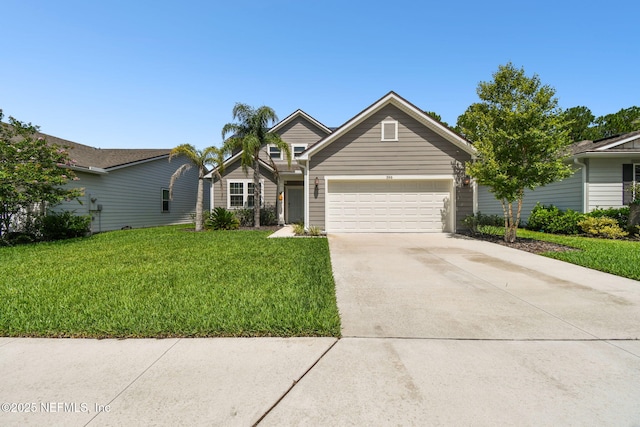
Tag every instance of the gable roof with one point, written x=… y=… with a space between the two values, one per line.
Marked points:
x=296 y=114
x=404 y=105
x=609 y=145
x=109 y=158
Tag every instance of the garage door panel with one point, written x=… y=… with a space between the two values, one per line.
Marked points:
x=399 y=205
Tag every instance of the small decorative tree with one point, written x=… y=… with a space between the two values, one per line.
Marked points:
x=33 y=172
x=521 y=138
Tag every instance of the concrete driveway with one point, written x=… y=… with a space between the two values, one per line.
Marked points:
x=443 y=330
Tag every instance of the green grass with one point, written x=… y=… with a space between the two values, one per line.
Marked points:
x=619 y=257
x=166 y=282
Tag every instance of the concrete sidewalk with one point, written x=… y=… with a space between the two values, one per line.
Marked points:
x=77 y=382
x=438 y=330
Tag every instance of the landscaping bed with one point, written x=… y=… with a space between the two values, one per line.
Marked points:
x=524 y=244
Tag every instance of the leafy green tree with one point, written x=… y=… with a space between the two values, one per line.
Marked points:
x=250 y=133
x=521 y=138
x=200 y=158
x=436 y=116
x=579 y=119
x=33 y=172
x=625 y=120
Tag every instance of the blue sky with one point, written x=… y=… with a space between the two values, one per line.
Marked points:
x=155 y=74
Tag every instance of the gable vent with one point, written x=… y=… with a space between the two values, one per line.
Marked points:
x=389 y=130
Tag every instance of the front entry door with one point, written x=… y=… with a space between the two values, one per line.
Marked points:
x=295 y=204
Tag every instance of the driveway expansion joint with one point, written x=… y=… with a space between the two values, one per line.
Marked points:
x=294 y=383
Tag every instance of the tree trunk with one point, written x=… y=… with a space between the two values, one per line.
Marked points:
x=199 y=201
x=510 y=228
x=256 y=191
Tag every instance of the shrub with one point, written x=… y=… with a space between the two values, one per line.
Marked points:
x=222 y=219
x=63 y=225
x=476 y=222
x=298 y=229
x=314 y=230
x=245 y=217
x=17 y=238
x=634 y=230
x=619 y=214
x=602 y=227
x=542 y=216
x=268 y=216
x=550 y=219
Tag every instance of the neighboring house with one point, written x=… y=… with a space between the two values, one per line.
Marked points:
x=391 y=168
x=604 y=171
x=129 y=187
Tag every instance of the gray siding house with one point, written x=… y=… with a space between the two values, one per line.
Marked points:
x=604 y=171
x=391 y=168
x=130 y=187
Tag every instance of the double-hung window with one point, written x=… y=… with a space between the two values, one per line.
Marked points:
x=240 y=193
x=298 y=149
x=274 y=152
x=165 y=200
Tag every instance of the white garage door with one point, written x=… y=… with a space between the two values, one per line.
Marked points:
x=388 y=206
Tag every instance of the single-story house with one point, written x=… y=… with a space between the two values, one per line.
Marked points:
x=390 y=168
x=604 y=171
x=129 y=187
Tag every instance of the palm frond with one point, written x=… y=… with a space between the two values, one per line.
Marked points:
x=187 y=150
x=181 y=170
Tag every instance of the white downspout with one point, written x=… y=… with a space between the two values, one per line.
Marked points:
x=585 y=185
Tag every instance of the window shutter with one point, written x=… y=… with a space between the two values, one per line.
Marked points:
x=627 y=182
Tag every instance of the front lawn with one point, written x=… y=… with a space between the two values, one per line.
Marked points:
x=166 y=282
x=619 y=257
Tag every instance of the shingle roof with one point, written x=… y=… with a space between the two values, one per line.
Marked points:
x=587 y=146
x=105 y=158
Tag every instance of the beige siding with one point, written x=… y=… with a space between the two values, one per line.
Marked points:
x=234 y=171
x=418 y=151
x=132 y=196
x=298 y=131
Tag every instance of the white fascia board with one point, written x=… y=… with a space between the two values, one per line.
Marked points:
x=299 y=113
x=612 y=154
x=394 y=99
x=91 y=169
x=139 y=162
x=615 y=144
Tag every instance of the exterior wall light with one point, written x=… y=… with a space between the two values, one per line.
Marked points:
x=317 y=181
x=466 y=181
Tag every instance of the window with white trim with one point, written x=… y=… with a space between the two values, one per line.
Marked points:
x=165 y=200
x=240 y=193
x=389 y=130
x=298 y=149
x=274 y=152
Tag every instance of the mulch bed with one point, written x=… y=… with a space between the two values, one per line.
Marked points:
x=528 y=245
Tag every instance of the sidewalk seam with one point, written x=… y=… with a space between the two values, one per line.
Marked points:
x=135 y=379
x=295 y=382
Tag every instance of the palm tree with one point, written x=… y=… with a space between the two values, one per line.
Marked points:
x=250 y=134
x=200 y=158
